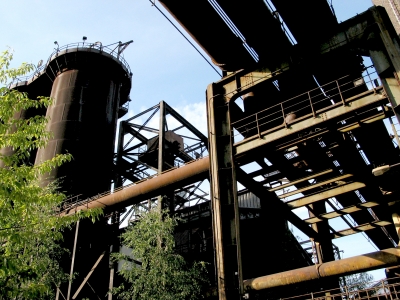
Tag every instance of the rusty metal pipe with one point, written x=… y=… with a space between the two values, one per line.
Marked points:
x=190 y=173
x=347 y=266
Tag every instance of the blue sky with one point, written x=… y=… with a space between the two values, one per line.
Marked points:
x=164 y=65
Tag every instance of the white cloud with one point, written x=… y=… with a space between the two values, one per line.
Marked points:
x=196 y=114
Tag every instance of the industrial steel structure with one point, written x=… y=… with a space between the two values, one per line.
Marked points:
x=393 y=10
x=90 y=85
x=309 y=135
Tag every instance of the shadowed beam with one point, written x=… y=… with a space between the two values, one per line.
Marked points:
x=260 y=191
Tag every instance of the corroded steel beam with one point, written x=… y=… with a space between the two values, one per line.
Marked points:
x=360 y=228
x=155 y=186
x=315 y=185
x=224 y=199
x=344 y=211
x=347 y=266
x=283 y=186
x=328 y=114
x=258 y=189
x=326 y=194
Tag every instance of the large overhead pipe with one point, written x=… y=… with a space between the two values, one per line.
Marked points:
x=347 y=266
x=170 y=180
x=203 y=23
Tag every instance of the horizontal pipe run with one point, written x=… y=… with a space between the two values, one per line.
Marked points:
x=347 y=266
x=190 y=173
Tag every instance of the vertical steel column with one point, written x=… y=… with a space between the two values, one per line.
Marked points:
x=324 y=247
x=120 y=150
x=394 y=129
x=73 y=260
x=387 y=59
x=161 y=138
x=111 y=285
x=396 y=223
x=225 y=211
x=114 y=247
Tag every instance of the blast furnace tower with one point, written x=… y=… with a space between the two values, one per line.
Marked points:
x=89 y=87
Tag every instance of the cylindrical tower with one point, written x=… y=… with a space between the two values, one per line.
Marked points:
x=89 y=86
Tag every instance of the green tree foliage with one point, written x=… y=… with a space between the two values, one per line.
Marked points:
x=154 y=271
x=29 y=226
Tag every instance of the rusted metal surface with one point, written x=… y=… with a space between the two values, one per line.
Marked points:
x=387 y=55
x=224 y=199
x=386 y=288
x=161 y=155
x=396 y=222
x=259 y=190
x=88 y=276
x=347 y=266
x=73 y=260
x=88 y=88
x=313 y=186
x=340 y=212
x=323 y=248
x=325 y=194
x=77 y=123
x=88 y=85
x=313 y=176
x=333 y=112
x=361 y=228
x=155 y=186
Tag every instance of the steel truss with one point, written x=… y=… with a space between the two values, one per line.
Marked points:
x=143 y=153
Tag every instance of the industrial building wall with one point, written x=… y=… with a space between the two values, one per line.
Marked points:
x=393 y=10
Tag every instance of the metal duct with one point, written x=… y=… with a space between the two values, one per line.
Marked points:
x=347 y=266
x=155 y=186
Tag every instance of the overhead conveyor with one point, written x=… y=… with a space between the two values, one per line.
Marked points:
x=308 y=21
x=260 y=28
x=208 y=29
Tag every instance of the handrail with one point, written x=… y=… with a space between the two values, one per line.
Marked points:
x=371 y=290
x=74 y=201
x=307 y=103
x=78 y=46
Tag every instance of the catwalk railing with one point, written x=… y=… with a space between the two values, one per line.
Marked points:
x=77 y=200
x=76 y=47
x=386 y=289
x=308 y=104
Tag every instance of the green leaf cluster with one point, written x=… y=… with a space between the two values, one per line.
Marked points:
x=30 y=230
x=154 y=270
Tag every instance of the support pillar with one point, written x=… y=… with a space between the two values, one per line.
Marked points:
x=396 y=222
x=120 y=149
x=386 y=58
x=161 y=166
x=324 y=247
x=114 y=248
x=118 y=182
x=73 y=260
x=225 y=211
